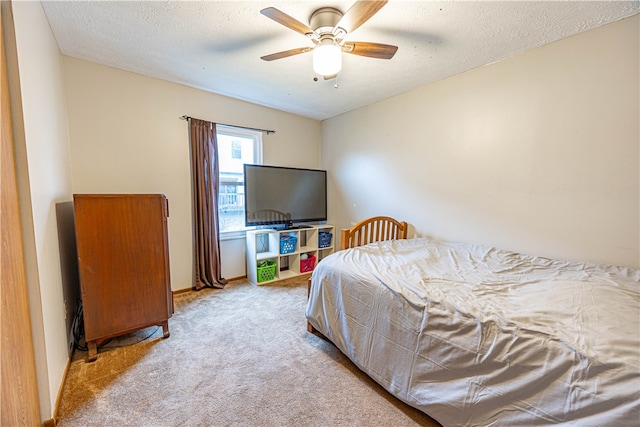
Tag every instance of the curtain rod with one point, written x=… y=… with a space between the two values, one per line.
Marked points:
x=268 y=131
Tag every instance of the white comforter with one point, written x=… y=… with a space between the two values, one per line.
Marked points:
x=476 y=336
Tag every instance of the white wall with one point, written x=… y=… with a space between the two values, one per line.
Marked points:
x=44 y=180
x=538 y=153
x=126 y=138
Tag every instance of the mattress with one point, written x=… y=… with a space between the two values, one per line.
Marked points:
x=477 y=336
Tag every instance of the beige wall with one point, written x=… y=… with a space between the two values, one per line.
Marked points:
x=126 y=138
x=538 y=153
x=44 y=180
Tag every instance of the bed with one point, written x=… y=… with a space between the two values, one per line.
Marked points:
x=475 y=336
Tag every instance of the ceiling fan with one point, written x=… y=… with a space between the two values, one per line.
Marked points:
x=327 y=29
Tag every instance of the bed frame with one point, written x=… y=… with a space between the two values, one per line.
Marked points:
x=375 y=229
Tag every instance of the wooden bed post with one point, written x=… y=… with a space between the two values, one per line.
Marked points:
x=310 y=327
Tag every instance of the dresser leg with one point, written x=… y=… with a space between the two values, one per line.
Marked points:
x=165 y=330
x=93 y=351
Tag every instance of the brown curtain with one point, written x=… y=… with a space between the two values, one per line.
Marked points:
x=204 y=168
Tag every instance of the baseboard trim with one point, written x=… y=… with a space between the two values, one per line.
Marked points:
x=235 y=279
x=54 y=421
x=184 y=290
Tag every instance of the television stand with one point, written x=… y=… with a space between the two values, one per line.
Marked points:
x=270 y=260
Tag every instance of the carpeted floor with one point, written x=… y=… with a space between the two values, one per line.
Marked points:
x=239 y=356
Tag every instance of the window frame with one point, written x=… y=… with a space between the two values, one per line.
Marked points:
x=257 y=156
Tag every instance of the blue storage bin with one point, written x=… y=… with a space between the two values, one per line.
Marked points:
x=288 y=244
x=324 y=240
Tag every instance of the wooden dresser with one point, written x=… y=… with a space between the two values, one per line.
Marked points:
x=123 y=258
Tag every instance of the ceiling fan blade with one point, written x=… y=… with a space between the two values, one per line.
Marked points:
x=284 y=19
x=372 y=50
x=358 y=14
x=286 y=53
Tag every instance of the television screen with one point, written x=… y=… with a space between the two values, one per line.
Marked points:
x=281 y=195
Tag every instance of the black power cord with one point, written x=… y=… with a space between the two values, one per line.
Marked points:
x=77 y=327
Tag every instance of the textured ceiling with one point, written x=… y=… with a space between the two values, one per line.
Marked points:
x=216 y=45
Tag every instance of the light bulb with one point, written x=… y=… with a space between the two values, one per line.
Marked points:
x=327 y=59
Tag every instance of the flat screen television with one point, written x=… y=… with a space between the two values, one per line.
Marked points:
x=276 y=195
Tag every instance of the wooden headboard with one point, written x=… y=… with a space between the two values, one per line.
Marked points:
x=372 y=230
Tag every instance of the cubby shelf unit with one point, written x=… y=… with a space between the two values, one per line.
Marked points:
x=265 y=245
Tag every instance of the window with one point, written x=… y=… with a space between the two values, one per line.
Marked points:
x=235 y=148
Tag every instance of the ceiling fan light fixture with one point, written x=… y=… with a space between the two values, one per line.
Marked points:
x=327 y=59
x=327 y=29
